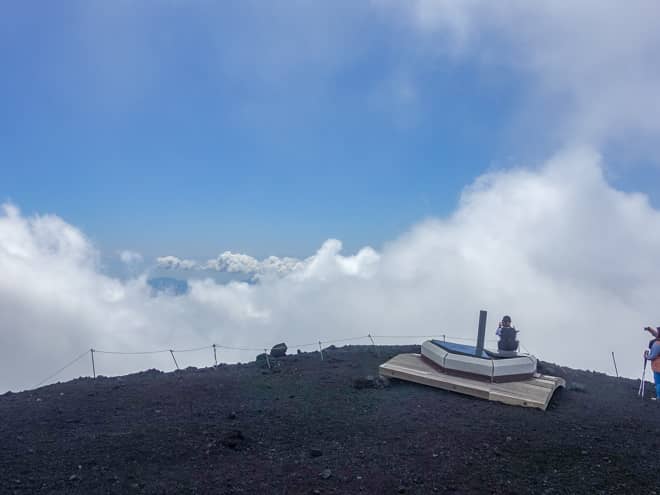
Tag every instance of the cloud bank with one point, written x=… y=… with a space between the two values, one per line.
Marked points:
x=273 y=266
x=573 y=260
x=589 y=67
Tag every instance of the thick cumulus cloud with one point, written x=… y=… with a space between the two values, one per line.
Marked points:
x=590 y=65
x=570 y=258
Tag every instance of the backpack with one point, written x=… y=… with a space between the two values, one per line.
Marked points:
x=508 y=340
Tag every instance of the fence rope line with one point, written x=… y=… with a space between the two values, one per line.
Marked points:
x=134 y=353
x=313 y=344
x=214 y=347
x=310 y=344
x=344 y=340
x=62 y=368
x=195 y=349
x=251 y=349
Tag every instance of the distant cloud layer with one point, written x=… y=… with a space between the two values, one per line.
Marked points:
x=130 y=257
x=573 y=260
x=274 y=266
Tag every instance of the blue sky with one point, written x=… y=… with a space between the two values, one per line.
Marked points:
x=183 y=129
x=193 y=128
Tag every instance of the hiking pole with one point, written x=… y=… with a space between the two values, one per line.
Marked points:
x=641 y=385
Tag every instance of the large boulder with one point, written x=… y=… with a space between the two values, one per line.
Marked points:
x=262 y=360
x=278 y=350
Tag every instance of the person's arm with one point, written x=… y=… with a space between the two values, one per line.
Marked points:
x=652 y=331
x=498 y=332
x=654 y=352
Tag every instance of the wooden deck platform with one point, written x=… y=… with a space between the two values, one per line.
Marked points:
x=534 y=392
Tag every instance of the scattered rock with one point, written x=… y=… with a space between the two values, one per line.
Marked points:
x=325 y=474
x=549 y=369
x=233 y=439
x=371 y=381
x=278 y=350
x=576 y=387
x=315 y=452
x=231 y=415
x=368 y=382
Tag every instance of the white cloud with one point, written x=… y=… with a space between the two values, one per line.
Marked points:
x=130 y=257
x=174 y=263
x=573 y=260
x=590 y=66
x=326 y=261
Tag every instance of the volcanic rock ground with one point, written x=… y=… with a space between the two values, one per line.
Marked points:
x=306 y=429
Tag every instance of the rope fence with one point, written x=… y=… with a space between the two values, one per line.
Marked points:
x=216 y=347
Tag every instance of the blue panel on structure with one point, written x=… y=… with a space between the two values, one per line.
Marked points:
x=467 y=350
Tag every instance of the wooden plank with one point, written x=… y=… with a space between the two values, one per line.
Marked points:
x=534 y=392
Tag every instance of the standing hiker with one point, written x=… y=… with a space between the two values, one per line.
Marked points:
x=653 y=331
x=653 y=355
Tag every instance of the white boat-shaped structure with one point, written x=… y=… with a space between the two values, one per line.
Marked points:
x=506 y=377
x=468 y=361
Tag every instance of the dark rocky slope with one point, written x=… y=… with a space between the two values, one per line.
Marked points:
x=307 y=429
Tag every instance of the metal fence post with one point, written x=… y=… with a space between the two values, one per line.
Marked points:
x=175 y=363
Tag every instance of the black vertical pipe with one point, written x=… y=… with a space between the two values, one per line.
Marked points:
x=481 y=336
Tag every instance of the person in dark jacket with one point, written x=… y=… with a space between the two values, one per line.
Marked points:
x=507 y=334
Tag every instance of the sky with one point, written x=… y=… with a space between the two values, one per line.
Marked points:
x=326 y=171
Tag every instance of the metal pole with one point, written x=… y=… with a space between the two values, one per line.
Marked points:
x=373 y=343
x=93 y=365
x=267 y=360
x=615 y=368
x=321 y=350
x=175 y=363
x=481 y=335
x=641 y=384
x=215 y=355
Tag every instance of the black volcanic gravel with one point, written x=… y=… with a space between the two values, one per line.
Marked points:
x=306 y=429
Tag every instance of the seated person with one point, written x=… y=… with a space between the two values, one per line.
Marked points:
x=507 y=335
